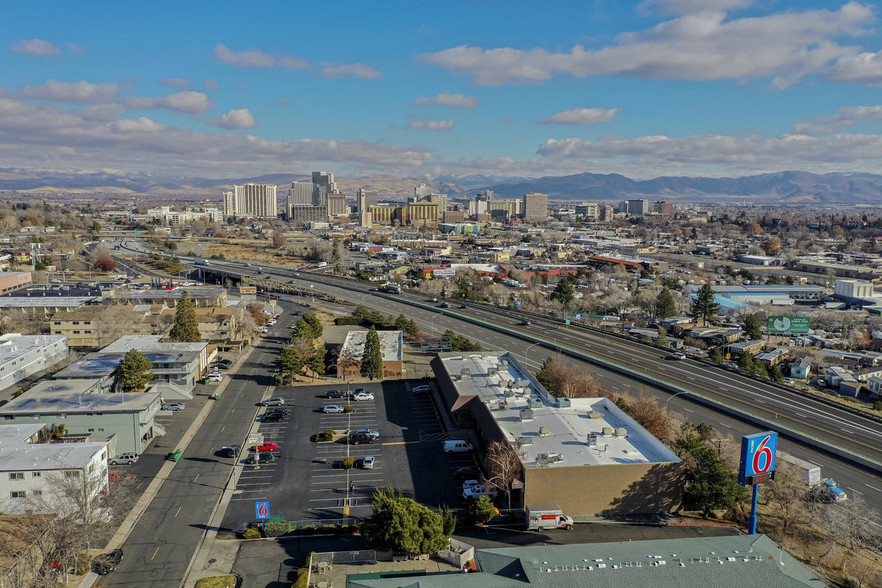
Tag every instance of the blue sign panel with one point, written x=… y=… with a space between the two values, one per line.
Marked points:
x=758 y=452
x=261 y=510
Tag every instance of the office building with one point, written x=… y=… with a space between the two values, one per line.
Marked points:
x=299 y=194
x=251 y=200
x=323 y=184
x=663 y=207
x=638 y=207
x=10 y=281
x=337 y=205
x=364 y=200
x=535 y=206
x=502 y=210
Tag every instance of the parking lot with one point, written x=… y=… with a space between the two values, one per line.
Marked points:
x=306 y=480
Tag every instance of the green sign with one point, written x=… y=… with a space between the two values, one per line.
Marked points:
x=787 y=324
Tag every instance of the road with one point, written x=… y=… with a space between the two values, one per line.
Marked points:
x=158 y=551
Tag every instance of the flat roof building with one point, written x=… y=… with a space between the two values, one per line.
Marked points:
x=583 y=454
x=10 y=281
x=22 y=356
x=352 y=352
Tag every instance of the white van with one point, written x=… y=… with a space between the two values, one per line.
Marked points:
x=124 y=459
x=457 y=446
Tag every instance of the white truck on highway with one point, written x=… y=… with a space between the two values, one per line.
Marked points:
x=547 y=517
x=808 y=472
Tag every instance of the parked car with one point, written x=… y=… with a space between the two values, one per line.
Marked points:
x=105 y=563
x=466 y=472
x=274 y=401
x=273 y=417
x=372 y=432
x=421 y=389
x=124 y=459
x=230 y=451
x=335 y=394
x=266 y=446
x=332 y=408
x=677 y=355
x=215 y=373
x=259 y=457
x=363 y=396
x=215 y=377
x=355 y=439
x=173 y=406
x=368 y=462
x=225 y=363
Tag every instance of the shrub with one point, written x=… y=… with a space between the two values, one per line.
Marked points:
x=348 y=463
x=484 y=509
x=326 y=435
x=276 y=528
x=227 y=581
x=252 y=533
x=348 y=408
x=82 y=567
x=877 y=405
x=302 y=580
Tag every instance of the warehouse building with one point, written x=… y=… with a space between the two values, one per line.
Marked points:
x=584 y=455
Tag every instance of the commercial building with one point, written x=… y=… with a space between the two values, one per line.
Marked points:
x=74 y=404
x=364 y=200
x=337 y=205
x=33 y=474
x=201 y=296
x=584 y=455
x=10 y=281
x=722 y=562
x=93 y=327
x=299 y=194
x=177 y=217
x=854 y=291
x=22 y=356
x=638 y=207
x=535 y=206
x=176 y=362
x=352 y=352
x=251 y=200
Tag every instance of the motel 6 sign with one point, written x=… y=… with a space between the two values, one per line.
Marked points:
x=758 y=452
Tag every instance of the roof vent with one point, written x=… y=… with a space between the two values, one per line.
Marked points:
x=535 y=402
x=544 y=431
x=594 y=414
x=525 y=441
x=526 y=414
x=465 y=372
x=621 y=432
x=607 y=431
x=563 y=402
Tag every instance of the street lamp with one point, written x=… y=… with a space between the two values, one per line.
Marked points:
x=527 y=351
x=433 y=322
x=672 y=397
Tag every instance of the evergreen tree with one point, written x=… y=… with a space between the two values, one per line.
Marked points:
x=291 y=360
x=664 y=304
x=565 y=292
x=303 y=330
x=403 y=525
x=186 y=327
x=753 y=326
x=745 y=361
x=703 y=306
x=315 y=324
x=406 y=325
x=710 y=485
x=133 y=372
x=545 y=373
x=372 y=360
x=775 y=373
x=716 y=356
x=662 y=338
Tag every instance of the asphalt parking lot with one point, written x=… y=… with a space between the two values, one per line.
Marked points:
x=306 y=481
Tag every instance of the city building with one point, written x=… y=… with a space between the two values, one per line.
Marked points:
x=352 y=352
x=33 y=473
x=337 y=205
x=299 y=194
x=173 y=361
x=169 y=295
x=22 y=356
x=251 y=200
x=177 y=217
x=93 y=327
x=854 y=291
x=663 y=207
x=10 y=281
x=83 y=409
x=638 y=207
x=364 y=200
x=44 y=307
x=584 y=454
x=535 y=206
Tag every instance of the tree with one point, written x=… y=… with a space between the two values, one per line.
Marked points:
x=101 y=260
x=662 y=338
x=546 y=371
x=484 y=509
x=664 y=304
x=650 y=415
x=564 y=292
x=315 y=324
x=703 y=306
x=710 y=484
x=186 y=326
x=460 y=342
x=302 y=330
x=133 y=372
x=715 y=355
x=402 y=525
x=406 y=325
x=504 y=467
x=753 y=326
x=372 y=360
x=771 y=245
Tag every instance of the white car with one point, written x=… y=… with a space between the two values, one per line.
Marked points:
x=332 y=408
x=215 y=377
x=677 y=355
x=173 y=406
x=363 y=396
x=368 y=462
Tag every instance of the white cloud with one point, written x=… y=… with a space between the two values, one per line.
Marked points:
x=178 y=82
x=246 y=58
x=293 y=63
x=81 y=92
x=102 y=112
x=690 y=6
x=582 y=116
x=430 y=125
x=358 y=70
x=784 y=46
x=74 y=48
x=137 y=125
x=36 y=47
x=189 y=102
x=454 y=100
x=864 y=68
x=238 y=118
x=845 y=116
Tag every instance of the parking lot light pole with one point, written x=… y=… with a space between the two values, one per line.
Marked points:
x=672 y=397
x=527 y=351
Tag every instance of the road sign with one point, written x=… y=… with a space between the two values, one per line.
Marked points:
x=787 y=324
x=261 y=510
x=757 y=456
x=568 y=321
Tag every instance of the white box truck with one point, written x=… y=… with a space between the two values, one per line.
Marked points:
x=808 y=472
x=543 y=517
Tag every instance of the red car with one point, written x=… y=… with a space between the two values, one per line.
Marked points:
x=266 y=446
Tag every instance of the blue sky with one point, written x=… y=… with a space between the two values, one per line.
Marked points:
x=647 y=88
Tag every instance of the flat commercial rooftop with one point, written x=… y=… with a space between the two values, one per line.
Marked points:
x=390 y=344
x=549 y=431
x=152 y=344
x=14 y=345
x=52 y=402
x=16 y=453
x=44 y=301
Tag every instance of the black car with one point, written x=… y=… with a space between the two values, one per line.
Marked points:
x=336 y=394
x=260 y=457
x=358 y=439
x=231 y=451
x=463 y=305
x=105 y=563
x=273 y=417
x=467 y=473
x=278 y=410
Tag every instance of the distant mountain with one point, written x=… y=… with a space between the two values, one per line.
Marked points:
x=788 y=187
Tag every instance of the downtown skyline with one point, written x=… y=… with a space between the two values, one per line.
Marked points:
x=659 y=87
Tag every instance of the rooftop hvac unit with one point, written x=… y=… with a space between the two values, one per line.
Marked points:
x=621 y=432
x=465 y=372
x=592 y=439
x=594 y=414
x=607 y=431
x=508 y=393
x=522 y=441
x=544 y=431
x=492 y=371
x=526 y=414
x=563 y=403
x=535 y=402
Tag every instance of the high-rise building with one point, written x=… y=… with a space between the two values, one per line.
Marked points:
x=364 y=200
x=665 y=207
x=299 y=194
x=322 y=184
x=421 y=191
x=337 y=205
x=251 y=200
x=535 y=206
x=638 y=207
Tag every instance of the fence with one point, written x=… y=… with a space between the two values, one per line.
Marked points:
x=458 y=553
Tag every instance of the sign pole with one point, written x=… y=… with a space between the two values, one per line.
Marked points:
x=751 y=530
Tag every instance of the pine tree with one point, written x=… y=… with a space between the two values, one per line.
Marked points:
x=664 y=304
x=662 y=339
x=133 y=372
x=703 y=306
x=186 y=327
x=545 y=374
x=753 y=326
x=315 y=324
x=372 y=360
x=564 y=292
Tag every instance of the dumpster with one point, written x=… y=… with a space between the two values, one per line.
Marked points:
x=216 y=396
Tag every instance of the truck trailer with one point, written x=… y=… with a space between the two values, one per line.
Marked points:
x=544 y=517
x=808 y=472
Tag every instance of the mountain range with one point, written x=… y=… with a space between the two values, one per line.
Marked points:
x=784 y=188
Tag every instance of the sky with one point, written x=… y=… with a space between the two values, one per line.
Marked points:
x=441 y=89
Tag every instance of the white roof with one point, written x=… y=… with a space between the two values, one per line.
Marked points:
x=44 y=301
x=152 y=343
x=545 y=430
x=390 y=345
x=58 y=402
x=17 y=454
x=13 y=345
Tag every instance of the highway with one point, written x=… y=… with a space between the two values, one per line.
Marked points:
x=828 y=425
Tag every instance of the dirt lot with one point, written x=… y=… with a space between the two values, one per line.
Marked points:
x=255 y=251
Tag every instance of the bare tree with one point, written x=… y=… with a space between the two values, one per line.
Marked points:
x=504 y=466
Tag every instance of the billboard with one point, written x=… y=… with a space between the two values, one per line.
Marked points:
x=247 y=290
x=787 y=324
x=758 y=453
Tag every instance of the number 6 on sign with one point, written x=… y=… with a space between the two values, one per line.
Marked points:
x=757 y=456
x=261 y=510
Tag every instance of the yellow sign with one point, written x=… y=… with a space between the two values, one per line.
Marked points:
x=247 y=290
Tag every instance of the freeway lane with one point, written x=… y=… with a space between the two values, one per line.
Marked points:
x=158 y=551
